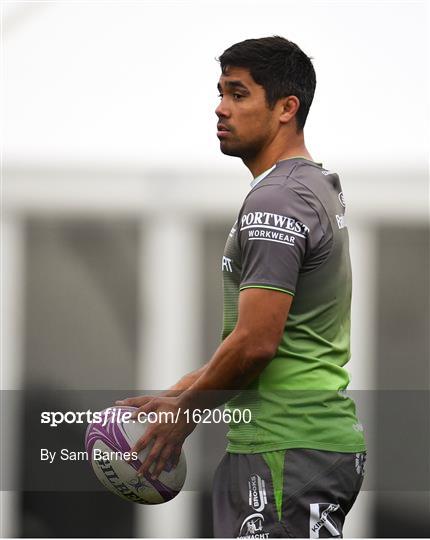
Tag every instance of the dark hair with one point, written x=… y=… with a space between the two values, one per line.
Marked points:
x=279 y=66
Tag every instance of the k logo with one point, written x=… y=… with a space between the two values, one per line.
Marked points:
x=319 y=518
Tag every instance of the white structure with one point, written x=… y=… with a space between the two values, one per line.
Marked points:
x=108 y=109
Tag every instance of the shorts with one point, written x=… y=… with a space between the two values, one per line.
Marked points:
x=295 y=493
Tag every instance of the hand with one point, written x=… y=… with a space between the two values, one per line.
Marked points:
x=167 y=434
x=137 y=401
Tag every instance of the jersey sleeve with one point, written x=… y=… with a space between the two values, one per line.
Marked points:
x=278 y=230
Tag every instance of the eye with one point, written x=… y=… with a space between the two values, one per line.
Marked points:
x=237 y=96
x=220 y=95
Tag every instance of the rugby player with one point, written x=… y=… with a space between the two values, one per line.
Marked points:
x=296 y=468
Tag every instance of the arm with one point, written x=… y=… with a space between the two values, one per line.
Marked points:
x=185 y=382
x=188 y=380
x=236 y=362
x=246 y=351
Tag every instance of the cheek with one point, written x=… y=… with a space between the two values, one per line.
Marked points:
x=258 y=127
x=253 y=125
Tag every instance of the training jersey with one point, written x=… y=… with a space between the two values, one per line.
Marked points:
x=291 y=236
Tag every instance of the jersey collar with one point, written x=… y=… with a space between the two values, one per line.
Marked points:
x=261 y=176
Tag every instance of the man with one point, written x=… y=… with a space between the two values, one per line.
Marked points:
x=296 y=468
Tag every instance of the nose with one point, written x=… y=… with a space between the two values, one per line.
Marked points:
x=222 y=111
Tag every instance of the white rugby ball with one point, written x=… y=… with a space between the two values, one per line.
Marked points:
x=109 y=443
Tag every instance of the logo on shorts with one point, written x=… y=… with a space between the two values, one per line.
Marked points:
x=360 y=460
x=252 y=527
x=341 y=221
x=257 y=492
x=341 y=198
x=319 y=518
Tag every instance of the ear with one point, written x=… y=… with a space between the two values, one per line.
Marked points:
x=289 y=107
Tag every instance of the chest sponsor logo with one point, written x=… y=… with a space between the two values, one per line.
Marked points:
x=267 y=219
x=252 y=527
x=319 y=518
x=257 y=492
x=273 y=227
x=272 y=236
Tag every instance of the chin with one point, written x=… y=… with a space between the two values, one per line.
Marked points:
x=229 y=151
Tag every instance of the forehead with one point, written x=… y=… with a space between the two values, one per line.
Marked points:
x=237 y=74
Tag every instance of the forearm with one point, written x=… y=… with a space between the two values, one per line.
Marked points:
x=186 y=381
x=236 y=362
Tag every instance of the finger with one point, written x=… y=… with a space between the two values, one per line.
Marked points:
x=150 y=458
x=143 y=441
x=176 y=456
x=136 y=414
x=126 y=401
x=164 y=456
x=149 y=406
x=134 y=401
x=141 y=412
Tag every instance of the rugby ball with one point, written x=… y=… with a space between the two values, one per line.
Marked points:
x=108 y=443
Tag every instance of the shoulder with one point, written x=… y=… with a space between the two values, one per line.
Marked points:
x=299 y=182
x=291 y=197
x=283 y=193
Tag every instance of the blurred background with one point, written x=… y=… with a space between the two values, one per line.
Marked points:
x=116 y=204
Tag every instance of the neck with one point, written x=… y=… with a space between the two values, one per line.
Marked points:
x=275 y=152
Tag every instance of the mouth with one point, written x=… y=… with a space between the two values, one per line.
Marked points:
x=222 y=131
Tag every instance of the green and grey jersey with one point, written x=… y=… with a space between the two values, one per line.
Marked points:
x=291 y=236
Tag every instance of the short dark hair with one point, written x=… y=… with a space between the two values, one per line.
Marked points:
x=279 y=66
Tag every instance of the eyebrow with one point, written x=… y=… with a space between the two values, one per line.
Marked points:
x=233 y=85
